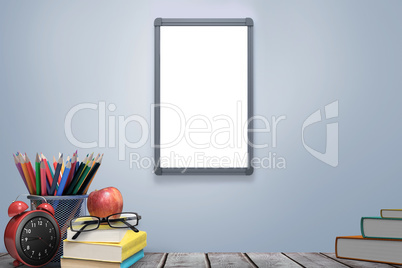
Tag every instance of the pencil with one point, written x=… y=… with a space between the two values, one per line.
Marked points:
x=64 y=179
x=91 y=176
x=56 y=175
x=18 y=165
x=31 y=173
x=96 y=158
x=82 y=177
x=26 y=174
x=49 y=174
x=43 y=178
x=72 y=170
x=77 y=165
x=38 y=179
x=47 y=185
x=76 y=176
x=61 y=171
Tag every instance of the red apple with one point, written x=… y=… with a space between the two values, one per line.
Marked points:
x=104 y=202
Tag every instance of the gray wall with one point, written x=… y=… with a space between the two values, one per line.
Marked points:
x=57 y=54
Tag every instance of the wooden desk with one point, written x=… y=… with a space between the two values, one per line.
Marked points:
x=240 y=260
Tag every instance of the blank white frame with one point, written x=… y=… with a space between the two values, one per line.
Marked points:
x=203 y=79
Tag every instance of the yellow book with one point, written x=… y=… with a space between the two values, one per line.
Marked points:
x=114 y=252
x=391 y=213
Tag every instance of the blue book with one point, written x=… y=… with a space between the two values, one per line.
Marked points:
x=133 y=259
x=70 y=263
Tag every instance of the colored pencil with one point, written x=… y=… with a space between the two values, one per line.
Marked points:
x=96 y=158
x=72 y=170
x=82 y=177
x=73 y=177
x=26 y=174
x=38 y=179
x=43 y=178
x=31 y=173
x=49 y=172
x=90 y=158
x=61 y=171
x=47 y=185
x=18 y=165
x=76 y=176
x=91 y=176
x=64 y=179
x=56 y=176
x=77 y=165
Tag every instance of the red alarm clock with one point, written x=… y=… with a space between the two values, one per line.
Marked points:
x=32 y=237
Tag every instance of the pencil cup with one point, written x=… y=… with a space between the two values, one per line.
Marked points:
x=66 y=208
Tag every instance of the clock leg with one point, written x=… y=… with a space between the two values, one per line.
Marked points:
x=16 y=263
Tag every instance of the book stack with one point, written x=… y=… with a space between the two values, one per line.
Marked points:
x=380 y=239
x=105 y=247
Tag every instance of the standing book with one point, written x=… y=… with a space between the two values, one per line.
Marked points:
x=131 y=243
x=78 y=263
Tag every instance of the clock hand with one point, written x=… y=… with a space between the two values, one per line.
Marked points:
x=31 y=238
x=43 y=240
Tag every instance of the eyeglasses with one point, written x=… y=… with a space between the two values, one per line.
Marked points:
x=118 y=220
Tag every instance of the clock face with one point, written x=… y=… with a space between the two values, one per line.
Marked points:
x=37 y=238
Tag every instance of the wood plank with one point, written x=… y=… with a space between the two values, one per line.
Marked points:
x=359 y=264
x=272 y=260
x=232 y=260
x=314 y=260
x=151 y=260
x=196 y=260
x=7 y=261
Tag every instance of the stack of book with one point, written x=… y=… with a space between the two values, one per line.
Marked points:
x=380 y=239
x=105 y=247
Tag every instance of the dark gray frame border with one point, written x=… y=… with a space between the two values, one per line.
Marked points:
x=203 y=22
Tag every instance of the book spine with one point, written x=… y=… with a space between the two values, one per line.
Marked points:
x=362 y=227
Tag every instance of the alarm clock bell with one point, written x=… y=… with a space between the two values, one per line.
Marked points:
x=16 y=207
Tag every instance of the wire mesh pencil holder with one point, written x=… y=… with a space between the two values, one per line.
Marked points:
x=66 y=208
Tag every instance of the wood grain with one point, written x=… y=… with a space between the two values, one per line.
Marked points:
x=272 y=260
x=233 y=260
x=7 y=261
x=314 y=260
x=229 y=260
x=196 y=260
x=151 y=260
x=359 y=264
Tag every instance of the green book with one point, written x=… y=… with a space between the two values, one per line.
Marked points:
x=383 y=228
